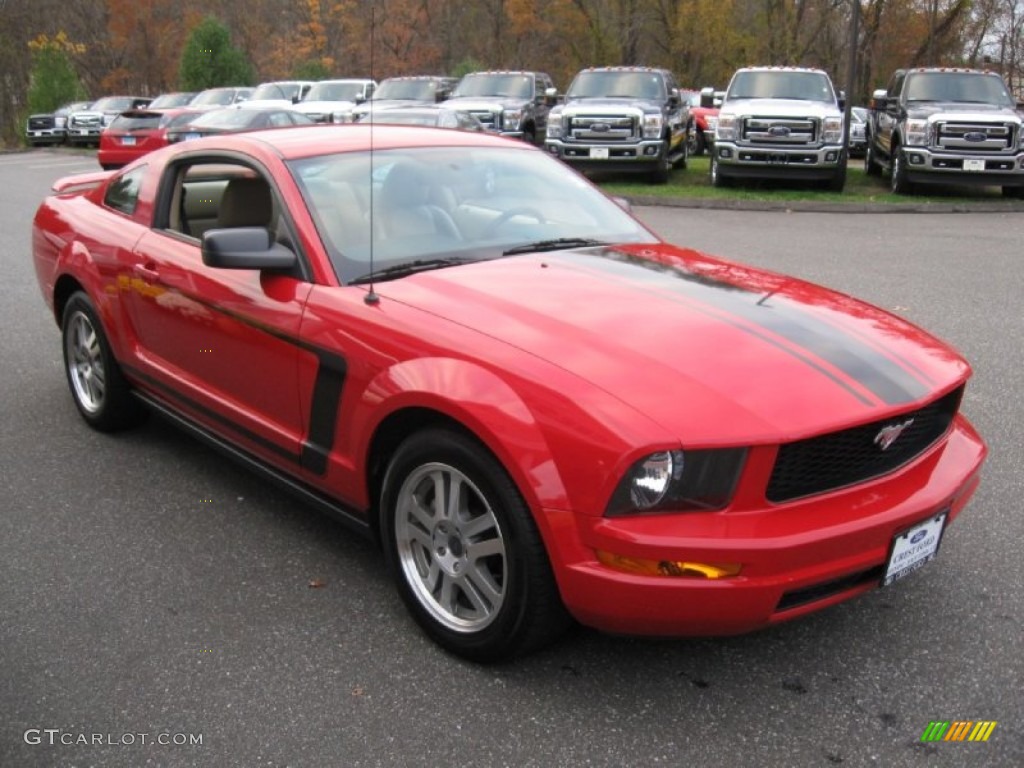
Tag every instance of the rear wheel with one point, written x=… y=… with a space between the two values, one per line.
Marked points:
x=98 y=387
x=465 y=551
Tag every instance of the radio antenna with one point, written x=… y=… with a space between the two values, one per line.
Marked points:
x=372 y=297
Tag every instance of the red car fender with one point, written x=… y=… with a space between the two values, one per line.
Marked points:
x=479 y=400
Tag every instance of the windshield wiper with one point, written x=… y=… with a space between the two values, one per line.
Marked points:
x=408 y=268
x=552 y=245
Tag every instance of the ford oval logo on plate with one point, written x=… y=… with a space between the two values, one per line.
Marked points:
x=600 y=127
x=975 y=136
x=778 y=130
x=918 y=536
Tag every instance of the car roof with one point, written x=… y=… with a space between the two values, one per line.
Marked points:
x=308 y=141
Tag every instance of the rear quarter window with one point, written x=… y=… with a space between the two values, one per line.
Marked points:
x=123 y=192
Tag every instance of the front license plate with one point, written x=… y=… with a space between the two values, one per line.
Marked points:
x=599 y=153
x=190 y=136
x=913 y=548
x=83 y=131
x=128 y=141
x=974 y=165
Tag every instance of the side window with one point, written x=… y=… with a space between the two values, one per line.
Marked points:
x=217 y=194
x=123 y=192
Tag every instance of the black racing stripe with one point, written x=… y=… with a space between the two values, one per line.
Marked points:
x=327 y=389
x=212 y=415
x=878 y=374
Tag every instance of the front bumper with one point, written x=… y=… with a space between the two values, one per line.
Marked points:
x=927 y=166
x=796 y=558
x=89 y=135
x=46 y=136
x=741 y=161
x=639 y=156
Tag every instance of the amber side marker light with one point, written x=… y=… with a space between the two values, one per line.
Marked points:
x=683 y=568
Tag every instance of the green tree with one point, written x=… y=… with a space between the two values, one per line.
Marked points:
x=210 y=60
x=53 y=80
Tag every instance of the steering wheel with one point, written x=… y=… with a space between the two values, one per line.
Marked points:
x=495 y=225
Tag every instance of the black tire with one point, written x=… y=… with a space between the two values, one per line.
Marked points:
x=494 y=606
x=717 y=179
x=530 y=135
x=898 y=182
x=685 y=147
x=700 y=146
x=98 y=387
x=838 y=180
x=871 y=166
x=1014 y=193
x=663 y=167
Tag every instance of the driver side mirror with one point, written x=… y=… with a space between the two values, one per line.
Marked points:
x=245 y=248
x=551 y=96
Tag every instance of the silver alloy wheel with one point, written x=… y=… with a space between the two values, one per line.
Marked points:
x=451 y=548
x=85 y=362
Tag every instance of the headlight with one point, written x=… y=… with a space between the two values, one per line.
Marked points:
x=832 y=130
x=554 y=130
x=917 y=132
x=512 y=118
x=713 y=123
x=678 y=481
x=725 y=128
x=652 y=125
x=343 y=117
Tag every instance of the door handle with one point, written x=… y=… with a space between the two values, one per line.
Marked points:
x=145 y=271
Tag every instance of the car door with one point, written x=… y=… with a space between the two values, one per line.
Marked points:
x=888 y=117
x=219 y=345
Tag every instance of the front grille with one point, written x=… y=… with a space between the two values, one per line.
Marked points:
x=41 y=123
x=491 y=120
x=86 y=122
x=610 y=128
x=824 y=463
x=780 y=131
x=976 y=137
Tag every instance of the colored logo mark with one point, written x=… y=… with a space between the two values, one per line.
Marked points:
x=958 y=730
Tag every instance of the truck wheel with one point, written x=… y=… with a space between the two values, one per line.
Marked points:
x=871 y=166
x=663 y=166
x=685 y=147
x=530 y=134
x=697 y=145
x=838 y=180
x=464 y=550
x=1015 y=193
x=717 y=179
x=899 y=183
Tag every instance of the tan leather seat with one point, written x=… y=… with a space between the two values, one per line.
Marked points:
x=246 y=203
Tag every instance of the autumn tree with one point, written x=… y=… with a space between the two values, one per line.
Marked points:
x=210 y=60
x=53 y=80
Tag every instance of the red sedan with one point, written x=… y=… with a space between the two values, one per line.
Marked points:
x=540 y=410
x=137 y=132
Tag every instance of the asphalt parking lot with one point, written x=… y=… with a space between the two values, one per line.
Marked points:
x=152 y=592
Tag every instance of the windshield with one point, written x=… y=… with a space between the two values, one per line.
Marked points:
x=113 y=104
x=410 y=206
x=964 y=87
x=335 y=92
x=518 y=86
x=286 y=91
x=227 y=118
x=215 y=98
x=136 y=121
x=802 y=86
x=169 y=100
x=627 y=85
x=417 y=90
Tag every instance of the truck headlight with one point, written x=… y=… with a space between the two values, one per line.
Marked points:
x=832 y=130
x=652 y=125
x=512 y=119
x=554 y=130
x=725 y=129
x=917 y=133
x=678 y=481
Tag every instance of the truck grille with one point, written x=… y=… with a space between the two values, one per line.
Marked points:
x=87 y=121
x=41 y=122
x=780 y=131
x=832 y=461
x=975 y=137
x=610 y=128
x=490 y=120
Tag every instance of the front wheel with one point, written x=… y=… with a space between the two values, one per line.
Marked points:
x=871 y=166
x=464 y=550
x=717 y=179
x=898 y=181
x=663 y=168
x=98 y=387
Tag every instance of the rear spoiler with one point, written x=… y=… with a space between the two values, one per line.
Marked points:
x=82 y=182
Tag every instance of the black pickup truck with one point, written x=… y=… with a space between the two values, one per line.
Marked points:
x=946 y=126
x=622 y=119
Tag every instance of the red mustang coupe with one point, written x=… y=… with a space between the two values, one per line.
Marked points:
x=539 y=409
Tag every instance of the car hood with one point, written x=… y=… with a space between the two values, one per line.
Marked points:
x=961 y=111
x=366 y=106
x=264 y=103
x=492 y=103
x=323 y=106
x=780 y=108
x=582 y=106
x=715 y=352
